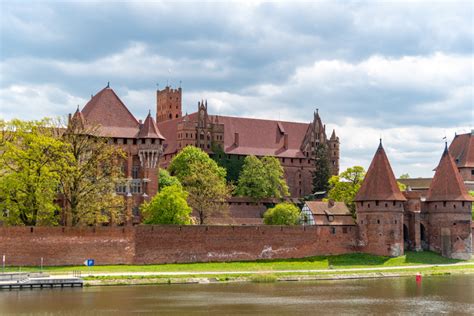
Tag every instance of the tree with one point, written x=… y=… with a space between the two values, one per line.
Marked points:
x=345 y=186
x=166 y=180
x=282 y=214
x=169 y=207
x=203 y=179
x=88 y=182
x=322 y=173
x=262 y=178
x=231 y=163
x=405 y=176
x=30 y=162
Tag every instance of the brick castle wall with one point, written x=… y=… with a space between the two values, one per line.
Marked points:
x=165 y=244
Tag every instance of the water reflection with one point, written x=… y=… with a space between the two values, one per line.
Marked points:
x=444 y=294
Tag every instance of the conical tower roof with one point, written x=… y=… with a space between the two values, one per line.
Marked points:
x=379 y=183
x=149 y=129
x=447 y=184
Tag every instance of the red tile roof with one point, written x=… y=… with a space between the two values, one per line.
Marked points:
x=462 y=150
x=447 y=184
x=256 y=136
x=323 y=208
x=379 y=183
x=149 y=129
x=106 y=111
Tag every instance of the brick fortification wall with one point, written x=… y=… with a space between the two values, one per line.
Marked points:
x=165 y=244
x=66 y=246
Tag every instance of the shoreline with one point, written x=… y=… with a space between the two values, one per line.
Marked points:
x=266 y=277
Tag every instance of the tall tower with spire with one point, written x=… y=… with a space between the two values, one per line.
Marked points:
x=333 y=151
x=379 y=208
x=168 y=104
x=448 y=209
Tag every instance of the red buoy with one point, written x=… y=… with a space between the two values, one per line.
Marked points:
x=418 y=277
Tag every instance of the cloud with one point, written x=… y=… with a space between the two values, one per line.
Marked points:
x=402 y=70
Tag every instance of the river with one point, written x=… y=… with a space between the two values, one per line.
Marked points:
x=435 y=295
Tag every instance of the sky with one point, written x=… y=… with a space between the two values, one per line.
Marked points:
x=402 y=71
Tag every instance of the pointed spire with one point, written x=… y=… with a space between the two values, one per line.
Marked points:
x=333 y=135
x=379 y=183
x=108 y=84
x=447 y=184
x=149 y=129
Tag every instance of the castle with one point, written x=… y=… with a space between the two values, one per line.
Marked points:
x=387 y=223
x=292 y=143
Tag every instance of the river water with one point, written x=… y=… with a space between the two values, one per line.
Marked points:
x=435 y=295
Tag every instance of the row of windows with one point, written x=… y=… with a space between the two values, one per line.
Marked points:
x=136 y=187
x=131 y=141
x=201 y=136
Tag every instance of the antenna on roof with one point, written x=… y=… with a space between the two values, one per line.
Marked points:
x=108 y=84
x=180 y=83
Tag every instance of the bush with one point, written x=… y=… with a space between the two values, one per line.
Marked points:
x=282 y=214
x=169 y=206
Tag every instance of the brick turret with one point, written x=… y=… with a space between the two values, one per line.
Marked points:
x=448 y=211
x=333 y=151
x=168 y=104
x=379 y=205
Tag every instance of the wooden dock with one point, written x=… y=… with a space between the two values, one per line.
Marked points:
x=28 y=282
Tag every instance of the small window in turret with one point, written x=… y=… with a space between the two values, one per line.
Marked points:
x=444 y=204
x=376 y=203
x=153 y=141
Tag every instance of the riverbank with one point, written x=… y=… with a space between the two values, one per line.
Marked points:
x=186 y=277
x=311 y=268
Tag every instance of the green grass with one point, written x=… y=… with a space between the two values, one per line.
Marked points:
x=346 y=261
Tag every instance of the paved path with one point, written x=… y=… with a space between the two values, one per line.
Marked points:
x=178 y=273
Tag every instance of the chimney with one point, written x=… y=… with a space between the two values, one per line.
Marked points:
x=236 y=139
x=285 y=141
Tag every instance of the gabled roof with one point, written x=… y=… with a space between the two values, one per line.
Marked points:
x=447 y=184
x=325 y=208
x=107 y=111
x=256 y=136
x=462 y=150
x=379 y=183
x=149 y=129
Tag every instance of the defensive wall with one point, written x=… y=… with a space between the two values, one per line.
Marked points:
x=26 y=246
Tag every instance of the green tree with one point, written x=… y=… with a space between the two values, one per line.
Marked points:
x=166 y=180
x=168 y=207
x=262 y=178
x=322 y=171
x=231 y=163
x=282 y=214
x=30 y=162
x=88 y=182
x=204 y=180
x=405 y=176
x=345 y=186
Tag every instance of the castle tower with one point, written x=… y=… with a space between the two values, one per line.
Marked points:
x=449 y=212
x=168 y=104
x=333 y=151
x=379 y=208
x=203 y=139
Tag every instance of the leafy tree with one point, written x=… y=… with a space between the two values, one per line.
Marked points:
x=345 y=186
x=166 y=180
x=282 y=214
x=405 y=176
x=276 y=178
x=89 y=180
x=203 y=179
x=262 y=178
x=169 y=206
x=322 y=173
x=231 y=163
x=30 y=161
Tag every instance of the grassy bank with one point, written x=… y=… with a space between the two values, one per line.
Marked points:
x=347 y=261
